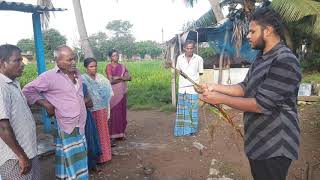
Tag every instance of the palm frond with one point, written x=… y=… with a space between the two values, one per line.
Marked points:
x=294 y=10
x=316 y=27
x=206 y=20
x=305 y=12
x=240 y=29
x=306 y=24
x=45 y=16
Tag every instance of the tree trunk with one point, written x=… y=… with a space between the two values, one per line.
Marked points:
x=84 y=41
x=215 y=6
x=249 y=6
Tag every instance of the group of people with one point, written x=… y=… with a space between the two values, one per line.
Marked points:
x=267 y=96
x=89 y=113
x=82 y=105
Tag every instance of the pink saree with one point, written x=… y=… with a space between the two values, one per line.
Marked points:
x=118 y=103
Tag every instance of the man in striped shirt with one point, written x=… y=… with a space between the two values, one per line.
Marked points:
x=268 y=97
x=18 y=145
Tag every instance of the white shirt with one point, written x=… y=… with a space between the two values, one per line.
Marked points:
x=13 y=106
x=192 y=68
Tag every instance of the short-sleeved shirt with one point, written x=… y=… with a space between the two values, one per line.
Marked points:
x=273 y=80
x=14 y=107
x=192 y=68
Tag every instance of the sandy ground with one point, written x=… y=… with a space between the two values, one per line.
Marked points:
x=152 y=152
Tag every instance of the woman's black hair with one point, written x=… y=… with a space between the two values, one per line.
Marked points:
x=266 y=16
x=89 y=60
x=112 y=51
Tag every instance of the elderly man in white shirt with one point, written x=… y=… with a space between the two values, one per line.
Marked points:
x=187 y=107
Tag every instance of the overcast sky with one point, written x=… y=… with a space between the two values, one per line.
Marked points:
x=147 y=16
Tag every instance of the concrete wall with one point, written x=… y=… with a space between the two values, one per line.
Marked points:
x=236 y=75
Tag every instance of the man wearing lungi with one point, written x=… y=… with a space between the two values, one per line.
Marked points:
x=18 y=142
x=59 y=91
x=187 y=108
x=268 y=97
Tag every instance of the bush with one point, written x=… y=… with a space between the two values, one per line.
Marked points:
x=206 y=53
x=311 y=62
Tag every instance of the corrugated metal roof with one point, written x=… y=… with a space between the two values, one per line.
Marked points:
x=18 y=6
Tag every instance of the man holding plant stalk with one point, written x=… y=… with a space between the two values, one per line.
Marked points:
x=268 y=97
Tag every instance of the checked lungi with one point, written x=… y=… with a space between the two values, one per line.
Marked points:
x=71 y=156
x=187 y=114
x=10 y=170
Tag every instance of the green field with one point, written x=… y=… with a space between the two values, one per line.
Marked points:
x=149 y=88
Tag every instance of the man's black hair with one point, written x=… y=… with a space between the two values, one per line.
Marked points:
x=7 y=50
x=189 y=42
x=266 y=16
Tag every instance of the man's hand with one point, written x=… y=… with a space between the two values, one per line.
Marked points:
x=25 y=165
x=199 y=89
x=47 y=105
x=209 y=86
x=7 y=135
x=212 y=97
x=202 y=88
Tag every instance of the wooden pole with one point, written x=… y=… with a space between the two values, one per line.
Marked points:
x=221 y=57
x=173 y=76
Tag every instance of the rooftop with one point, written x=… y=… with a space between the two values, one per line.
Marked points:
x=29 y=8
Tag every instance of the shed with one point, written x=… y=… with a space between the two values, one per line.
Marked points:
x=36 y=11
x=219 y=37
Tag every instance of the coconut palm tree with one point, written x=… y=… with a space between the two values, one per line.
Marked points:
x=306 y=13
x=84 y=42
x=45 y=17
x=215 y=6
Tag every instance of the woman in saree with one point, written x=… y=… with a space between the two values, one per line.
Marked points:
x=100 y=91
x=91 y=133
x=118 y=75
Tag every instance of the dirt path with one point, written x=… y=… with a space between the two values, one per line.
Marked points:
x=152 y=152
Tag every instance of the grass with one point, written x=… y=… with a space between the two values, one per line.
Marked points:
x=150 y=86
x=311 y=77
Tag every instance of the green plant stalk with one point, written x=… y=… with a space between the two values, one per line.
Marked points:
x=222 y=111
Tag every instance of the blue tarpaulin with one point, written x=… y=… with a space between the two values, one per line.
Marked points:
x=215 y=37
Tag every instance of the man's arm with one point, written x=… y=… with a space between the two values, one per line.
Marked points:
x=33 y=90
x=7 y=135
x=231 y=90
x=47 y=105
x=240 y=103
x=236 y=90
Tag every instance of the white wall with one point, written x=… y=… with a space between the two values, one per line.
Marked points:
x=237 y=75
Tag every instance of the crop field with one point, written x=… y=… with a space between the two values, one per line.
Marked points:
x=150 y=85
x=149 y=88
